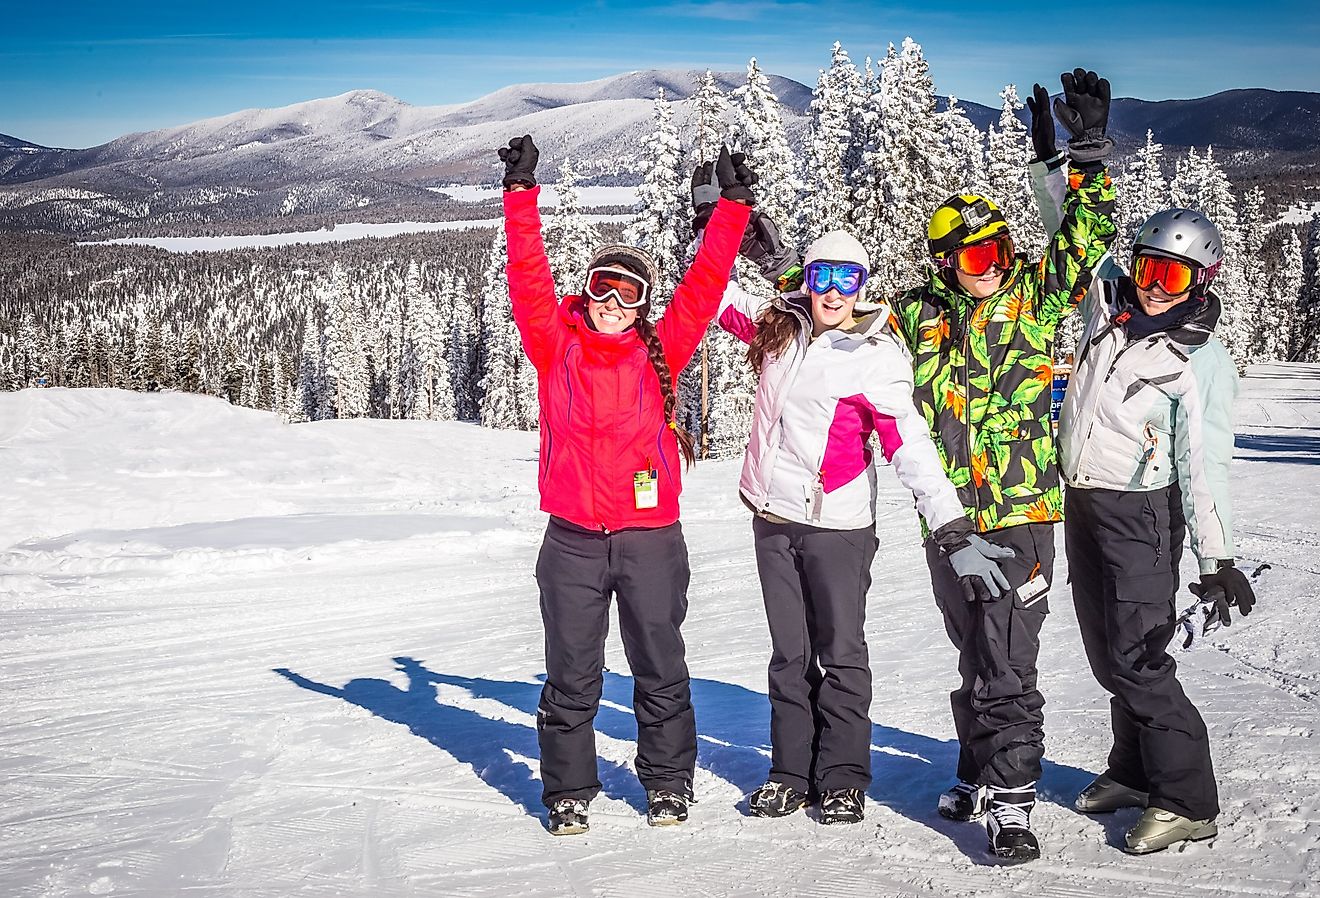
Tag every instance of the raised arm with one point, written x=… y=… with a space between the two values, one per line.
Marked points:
x=697 y=298
x=1087 y=228
x=531 y=287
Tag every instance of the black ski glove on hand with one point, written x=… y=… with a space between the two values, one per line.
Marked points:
x=1216 y=593
x=974 y=560
x=705 y=193
x=1084 y=111
x=519 y=159
x=762 y=246
x=1042 y=124
x=735 y=177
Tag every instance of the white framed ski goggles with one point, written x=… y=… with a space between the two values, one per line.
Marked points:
x=626 y=288
x=846 y=277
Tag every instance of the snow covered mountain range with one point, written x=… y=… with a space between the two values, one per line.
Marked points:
x=367 y=149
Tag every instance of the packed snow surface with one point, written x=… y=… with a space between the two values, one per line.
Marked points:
x=242 y=657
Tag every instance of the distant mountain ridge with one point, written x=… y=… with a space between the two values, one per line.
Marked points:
x=366 y=149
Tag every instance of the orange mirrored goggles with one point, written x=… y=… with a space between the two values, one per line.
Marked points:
x=628 y=290
x=1173 y=275
x=978 y=258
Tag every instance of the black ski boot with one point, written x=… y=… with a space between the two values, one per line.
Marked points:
x=1009 y=824
x=775 y=800
x=665 y=808
x=964 y=802
x=568 y=817
x=841 y=806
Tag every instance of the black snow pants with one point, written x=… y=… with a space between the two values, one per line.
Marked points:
x=1123 y=552
x=647 y=571
x=997 y=708
x=814 y=583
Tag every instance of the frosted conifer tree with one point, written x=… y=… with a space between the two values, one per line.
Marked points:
x=500 y=344
x=711 y=114
x=570 y=238
x=966 y=145
x=830 y=149
x=1007 y=178
x=1143 y=192
x=869 y=217
x=762 y=137
x=1281 y=319
x=462 y=355
x=663 y=221
x=345 y=360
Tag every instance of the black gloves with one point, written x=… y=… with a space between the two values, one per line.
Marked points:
x=519 y=159
x=1225 y=588
x=735 y=178
x=1042 y=124
x=1084 y=111
x=762 y=246
x=974 y=560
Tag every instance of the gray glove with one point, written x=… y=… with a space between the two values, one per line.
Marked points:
x=973 y=559
x=762 y=246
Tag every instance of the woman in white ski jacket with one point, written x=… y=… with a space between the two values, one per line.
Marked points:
x=1145 y=441
x=828 y=383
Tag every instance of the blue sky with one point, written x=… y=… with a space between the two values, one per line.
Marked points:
x=78 y=74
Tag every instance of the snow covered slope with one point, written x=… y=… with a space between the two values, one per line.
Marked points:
x=242 y=657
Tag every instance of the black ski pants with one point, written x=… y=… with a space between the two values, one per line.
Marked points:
x=814 y=583
x=1123 y=552
x=647 y=571
x=997 y=709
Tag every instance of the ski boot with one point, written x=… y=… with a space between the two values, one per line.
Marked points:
x=1105 y=795
x=568 y=817
x=964 y=802
x=842 y=806
x=1008 y=824
x=1158 y=829
x=665 y=808
x=774 y=799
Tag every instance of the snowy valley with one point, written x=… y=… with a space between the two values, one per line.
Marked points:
x=244 y=657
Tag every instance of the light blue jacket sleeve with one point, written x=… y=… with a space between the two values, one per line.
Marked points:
x=1203 y=450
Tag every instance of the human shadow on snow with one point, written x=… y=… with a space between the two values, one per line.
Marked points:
x=733 y=725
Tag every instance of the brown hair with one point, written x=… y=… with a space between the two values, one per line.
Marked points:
x=656 y=351
x=775 y=330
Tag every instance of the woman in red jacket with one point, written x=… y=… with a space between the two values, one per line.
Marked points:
x=610 y=479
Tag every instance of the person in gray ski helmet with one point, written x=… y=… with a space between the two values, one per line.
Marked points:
x=1145 y=442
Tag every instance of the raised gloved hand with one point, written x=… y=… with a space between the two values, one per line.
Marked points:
x=735 y=177
x=974 y=560
x=1042 y=124
x=705 y=193
x=762 y=246
x=1084 y=111
x=519 y=159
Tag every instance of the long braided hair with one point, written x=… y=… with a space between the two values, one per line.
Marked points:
x=655 y=350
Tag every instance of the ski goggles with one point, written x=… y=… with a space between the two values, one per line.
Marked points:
x=846 y=277
x=1174 y=276
x=628 y=290
x=978 y=258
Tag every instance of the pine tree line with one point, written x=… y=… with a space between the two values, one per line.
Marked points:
x=316 y=333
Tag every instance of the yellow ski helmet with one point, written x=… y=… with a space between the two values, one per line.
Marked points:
x=963 y=220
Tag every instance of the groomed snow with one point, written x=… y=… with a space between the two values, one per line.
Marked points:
x=247 y=658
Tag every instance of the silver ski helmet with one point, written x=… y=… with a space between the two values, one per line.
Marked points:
x=1182 y=234
x=838 y=246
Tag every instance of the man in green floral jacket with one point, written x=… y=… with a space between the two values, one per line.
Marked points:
x=982 y=333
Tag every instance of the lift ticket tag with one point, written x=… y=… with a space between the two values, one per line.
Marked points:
x=646 y=491
x=1033 y=590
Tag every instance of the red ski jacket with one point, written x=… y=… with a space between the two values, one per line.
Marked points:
x=602 y=413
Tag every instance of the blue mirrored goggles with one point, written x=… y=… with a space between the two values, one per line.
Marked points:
x=846 y=277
